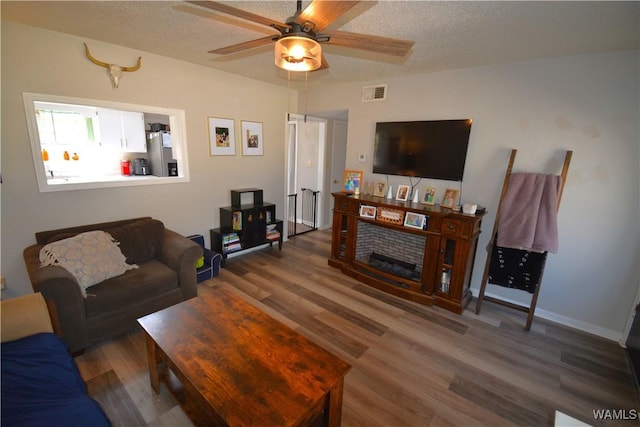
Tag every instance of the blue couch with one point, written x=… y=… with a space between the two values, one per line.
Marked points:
x=41 y=385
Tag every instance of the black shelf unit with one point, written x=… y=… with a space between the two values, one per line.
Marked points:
x=246 y=225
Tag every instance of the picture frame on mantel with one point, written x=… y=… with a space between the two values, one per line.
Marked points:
x=252 y=142
x=222 y=138
x=415 y=220
x=380 y=189
x=351 y=181
x=367 y=211
x=403 y=193
x=449 y=198
x=429 y=196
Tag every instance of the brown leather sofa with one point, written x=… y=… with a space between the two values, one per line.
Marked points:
x=166 y=276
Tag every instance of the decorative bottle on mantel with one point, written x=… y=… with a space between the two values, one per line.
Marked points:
x=416 y=198
x=390 y=193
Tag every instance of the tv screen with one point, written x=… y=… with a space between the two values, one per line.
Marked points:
x=434 y=149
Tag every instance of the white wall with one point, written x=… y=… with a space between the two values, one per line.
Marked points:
x=588 y=104
x=35 y=60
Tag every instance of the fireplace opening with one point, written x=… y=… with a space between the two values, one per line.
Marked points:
x=390 y=251
x=394 y=266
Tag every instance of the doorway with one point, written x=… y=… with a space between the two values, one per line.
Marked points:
x=306 y=142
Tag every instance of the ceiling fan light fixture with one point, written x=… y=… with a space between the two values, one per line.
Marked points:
x=296 y=53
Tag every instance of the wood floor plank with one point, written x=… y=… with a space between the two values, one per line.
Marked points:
x=413 y=365
x=506 y=406
x=107 y=389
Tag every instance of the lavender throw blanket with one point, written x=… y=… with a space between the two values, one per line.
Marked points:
x=528 y=215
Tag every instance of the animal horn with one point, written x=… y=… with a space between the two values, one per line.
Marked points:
x=94 y=60
x=135 y=67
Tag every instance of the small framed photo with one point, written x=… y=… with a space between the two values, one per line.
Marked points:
x=414 y=220
x=403 y=193
x=368 y=211
x=222 y=137
x=449 y=198
x=252 y=143
x=351 y=180
x=379 y=189
x=429 y=196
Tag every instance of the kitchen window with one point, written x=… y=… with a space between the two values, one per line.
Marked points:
x=83 y=143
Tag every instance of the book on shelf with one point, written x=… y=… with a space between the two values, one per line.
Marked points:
x=230 y=238
x=232 y=247
x=231 y=242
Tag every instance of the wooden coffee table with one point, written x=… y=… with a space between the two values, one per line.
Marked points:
x=228 y=363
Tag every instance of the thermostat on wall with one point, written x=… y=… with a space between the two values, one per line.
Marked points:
x=362 y=158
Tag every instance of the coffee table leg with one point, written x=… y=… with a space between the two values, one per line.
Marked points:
x=335 y=404
x=154 y=363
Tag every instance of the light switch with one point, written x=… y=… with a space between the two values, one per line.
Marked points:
x=362 y=158
x=309 y=163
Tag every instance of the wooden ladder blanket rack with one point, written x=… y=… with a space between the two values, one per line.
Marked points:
x=530 y=310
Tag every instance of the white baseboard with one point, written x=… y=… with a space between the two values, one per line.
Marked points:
x=564 y=320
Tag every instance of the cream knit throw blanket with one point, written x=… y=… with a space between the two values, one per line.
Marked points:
x=90 y=257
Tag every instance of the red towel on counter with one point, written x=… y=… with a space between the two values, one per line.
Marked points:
x=528 y=216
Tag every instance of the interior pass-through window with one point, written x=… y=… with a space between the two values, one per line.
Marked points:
x=83 y=143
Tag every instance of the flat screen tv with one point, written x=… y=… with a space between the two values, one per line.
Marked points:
x=435 y=149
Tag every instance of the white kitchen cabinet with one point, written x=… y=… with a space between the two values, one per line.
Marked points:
x=123 y=130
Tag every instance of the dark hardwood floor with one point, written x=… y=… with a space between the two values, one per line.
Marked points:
x=412 y=365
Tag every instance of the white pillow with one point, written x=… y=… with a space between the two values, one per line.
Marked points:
x=90 y=257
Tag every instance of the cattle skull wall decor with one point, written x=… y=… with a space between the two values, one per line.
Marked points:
x=115 y=71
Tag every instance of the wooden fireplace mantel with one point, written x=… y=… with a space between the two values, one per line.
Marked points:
x=450 y=241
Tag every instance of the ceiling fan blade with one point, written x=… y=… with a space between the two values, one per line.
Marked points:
x=244 y=46
x=323 y=12
x=389 y=46
x=239 y=13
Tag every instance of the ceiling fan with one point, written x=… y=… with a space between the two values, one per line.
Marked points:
x=297 y=46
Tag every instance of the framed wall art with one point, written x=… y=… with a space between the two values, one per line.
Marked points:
x=252 y=142
x=403 y=193
x=449 y=198
x=351 y=180
x=429 y=196
x=222 y=138
x=414 y=220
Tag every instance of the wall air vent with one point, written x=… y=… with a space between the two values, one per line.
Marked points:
x=374 y=93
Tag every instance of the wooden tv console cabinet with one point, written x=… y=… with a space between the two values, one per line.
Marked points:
x=432 y=265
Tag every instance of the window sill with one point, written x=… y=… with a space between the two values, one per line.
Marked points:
x=87 y=183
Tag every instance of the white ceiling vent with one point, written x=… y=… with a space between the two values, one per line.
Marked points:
x=374 y=93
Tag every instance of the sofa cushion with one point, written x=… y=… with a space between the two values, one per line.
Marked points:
x=90 y=257
x=151 y=278
x=41 y=385
x=140 y=241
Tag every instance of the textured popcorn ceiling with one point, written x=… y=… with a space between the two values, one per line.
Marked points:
x=447 y=35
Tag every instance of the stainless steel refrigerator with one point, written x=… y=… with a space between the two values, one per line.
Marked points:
x=160 y=154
